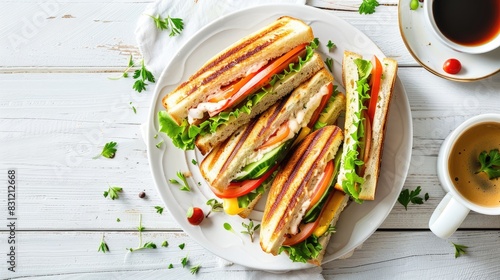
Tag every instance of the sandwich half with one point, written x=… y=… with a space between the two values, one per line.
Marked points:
x=239 y=83
x=240 y=169
x=303 y=205
x=369 y=86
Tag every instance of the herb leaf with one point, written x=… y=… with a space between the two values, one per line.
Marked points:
x=184 y=261
x=103 y=247
x=182 y=245
x=250 y=229
x=368 y=7
x=405 y=197
x=185 y=185
x=490 y=163
x=176 y=25
x=108 y=151
x=215 y=205
x=164 y=244
x=329 y=64
x=459 y=250
x=195 y=269
x=330 y=45
x=160 y=23
x=112 y=192
x=142 y=75
x=159 y=209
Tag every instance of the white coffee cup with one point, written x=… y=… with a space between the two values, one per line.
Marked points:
x=452 y=210
x=483 y=48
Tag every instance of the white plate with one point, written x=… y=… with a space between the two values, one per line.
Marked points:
x=431 y=53
x=357 y=222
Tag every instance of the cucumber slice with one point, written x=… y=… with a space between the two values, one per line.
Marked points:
x=256 y=169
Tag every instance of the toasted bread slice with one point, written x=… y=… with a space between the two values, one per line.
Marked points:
x=234 y=62
x=206 y=142
x=350 y=76
x=290 y=192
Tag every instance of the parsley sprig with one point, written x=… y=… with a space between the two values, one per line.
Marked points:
x=490 y=163
x=147 y=245
x=368 y=6
x=195 y=269
x=329 y=64
x=406 y=196
x=141 y=76
x=184 y=185
x=125 y=72
x=330 y=45
x=108 y=151
x=250 y=229
x=176 y=25
x=112 y=192
x=459 y=249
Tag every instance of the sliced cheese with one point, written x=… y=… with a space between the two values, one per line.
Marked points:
x=329 y=212
x=231 y=206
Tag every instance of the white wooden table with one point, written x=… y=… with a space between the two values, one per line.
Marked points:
x=58 y=108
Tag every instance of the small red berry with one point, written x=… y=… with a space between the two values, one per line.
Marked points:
x=452 y=66
x=195 y=215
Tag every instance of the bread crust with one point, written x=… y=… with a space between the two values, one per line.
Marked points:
x=291 y=189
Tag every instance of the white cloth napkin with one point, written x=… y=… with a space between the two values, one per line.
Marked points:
x=158 y=48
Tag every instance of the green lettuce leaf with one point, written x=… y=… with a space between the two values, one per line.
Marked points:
x=352 y=161
x=183 y=136
x=306 y=250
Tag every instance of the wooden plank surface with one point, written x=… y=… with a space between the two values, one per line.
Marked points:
x=386 y=255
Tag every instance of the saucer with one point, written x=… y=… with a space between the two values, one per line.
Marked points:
x=427 y=50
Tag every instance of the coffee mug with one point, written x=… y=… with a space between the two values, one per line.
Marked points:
x=467 y=26
x=457 y=168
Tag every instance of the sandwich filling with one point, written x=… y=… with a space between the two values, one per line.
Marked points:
x=367 y=88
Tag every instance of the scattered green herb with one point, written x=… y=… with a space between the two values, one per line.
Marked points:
x=108 y=151
x=195 y=269
x=158 y=145
x=182 y=245
x=147 y=245
x=185 y=185
x=141 y=76
x=159 y=209
x=215 y=206
x=250 y=229
x=331 y=45
x=184 y=261
x=155 y=136
x=176 y=25
x=103 y=247
x=329 y=64
x=164 y=244
x=368 y=7
x=490 y=163
x=405 y=197
x=133 y=107
x=228 y=227
x=459 y=250
x=118 y=220
x=112 y=192
x=170 y=266
x=194 y=162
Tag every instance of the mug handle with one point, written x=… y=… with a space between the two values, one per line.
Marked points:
x=447 y=217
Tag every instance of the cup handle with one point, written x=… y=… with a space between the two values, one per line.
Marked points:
x=447 y=217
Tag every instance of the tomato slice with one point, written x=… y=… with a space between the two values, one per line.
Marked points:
x=322 y=105
x=261 y=77
x=237 y=189
x=322 y=184
x=229 y=90
x=277 y=137
x=374 y=87
x=305 y=229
